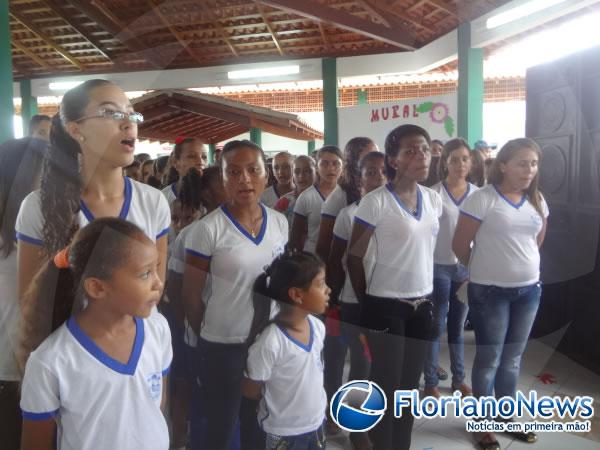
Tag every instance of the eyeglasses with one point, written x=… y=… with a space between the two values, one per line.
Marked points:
x=106 y=113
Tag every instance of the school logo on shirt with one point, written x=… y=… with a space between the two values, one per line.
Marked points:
x=536 y=219
x=278 y=250
x=154 y=385
x=435 y=229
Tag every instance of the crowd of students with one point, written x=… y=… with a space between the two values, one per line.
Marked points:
x=242 y=300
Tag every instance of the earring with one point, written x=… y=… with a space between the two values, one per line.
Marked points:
x=81 y=138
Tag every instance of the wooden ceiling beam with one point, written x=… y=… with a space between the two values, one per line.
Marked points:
x=33 y=29
x=224 y=35
x=155 y=6
x=324 y=36
x=373 y=12
x=313 y=10
x=269 y=27
x=55 y=7
x=98 y=13
x=206 y=109
x=444 y=7
x=156 y=112
x=30 y=54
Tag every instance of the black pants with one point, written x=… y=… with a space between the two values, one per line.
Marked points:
x=398 y=337
x=221 y=371
x=10 y=416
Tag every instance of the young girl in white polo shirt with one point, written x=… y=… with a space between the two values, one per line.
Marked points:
x=282 y=171
x=285 y=366
x=225 y=251
x=98 y=380
x=92 y=138
x=448 y=273
x=307 y=210
x=506 y=223
x=401 y=219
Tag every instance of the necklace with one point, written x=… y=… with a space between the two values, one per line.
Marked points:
x=252 y=225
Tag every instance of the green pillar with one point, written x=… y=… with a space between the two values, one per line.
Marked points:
x=29 y=106
x=362 y=96
x=470 y=87
x=256 y=136
x=312 y=146
x=211 y=153
x=330 y=100
x=6 y=76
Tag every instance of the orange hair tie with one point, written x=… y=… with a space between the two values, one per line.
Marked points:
x=61 y=259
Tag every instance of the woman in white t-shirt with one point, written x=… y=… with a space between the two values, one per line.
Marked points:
x=448 y=273
x=20 y=170
x=401 y=221
x=282 y=170
x=307 y=210
x=285 y=366
x=92 y=138
x=304 y=177
x=188 y=152
x=345 y=193
x=225 y=252
x=506 y=223
x=99 y=380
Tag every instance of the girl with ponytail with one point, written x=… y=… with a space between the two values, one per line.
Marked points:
x=287 y=352
x=92 y=139
x=115 y=347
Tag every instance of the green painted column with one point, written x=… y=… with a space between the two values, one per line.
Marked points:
x=330 y=100
x=6 y=76
x=362 y=96
x=256 y=136
x=470 y=87
x=211 y=153
x=312 y=146
x=29 y=106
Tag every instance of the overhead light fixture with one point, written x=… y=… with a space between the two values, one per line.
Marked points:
x=263 y=72
x=63 y=85
x=519 y=12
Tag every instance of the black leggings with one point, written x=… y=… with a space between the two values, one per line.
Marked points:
x=398 y=337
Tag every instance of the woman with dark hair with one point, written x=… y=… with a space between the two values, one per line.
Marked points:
x=225 y=252
x=187 y=153
x=477 y=173
x=304 y=170
x=401 y=220
x=448 y=273
x=507 y=219
x=20 y=170
x=92 y=139
x=307 y=210
x=284 y=181
x=345 y=193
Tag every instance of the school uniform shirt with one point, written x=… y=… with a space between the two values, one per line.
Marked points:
x=177 y=257
x=308 y=206
x=336 y=201
x=294 y=400
x=170 y=193
x=100 y=403
x=9 y=317
x=270 y=196
x=505 y=250
x=143 y=206
x=236 y=260
x=401 y=256
x=285 y=205
x=451 y=210
x=342 y=231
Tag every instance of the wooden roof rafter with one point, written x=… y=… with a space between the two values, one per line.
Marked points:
x=224 y=35
x=28 y=23
x=30 y=54
x=56 y=8
x=155 y=6
x=341 y=19
x=269 y=27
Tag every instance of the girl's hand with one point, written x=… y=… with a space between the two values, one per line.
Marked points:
x=251 y=389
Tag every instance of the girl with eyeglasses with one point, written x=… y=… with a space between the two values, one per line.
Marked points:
x=92 y=139
x=401 y=221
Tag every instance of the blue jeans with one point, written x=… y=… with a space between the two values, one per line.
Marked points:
x=446 y=281
x=313 y=440
x=502 y=319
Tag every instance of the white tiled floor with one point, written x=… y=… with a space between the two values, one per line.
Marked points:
x=569 y=378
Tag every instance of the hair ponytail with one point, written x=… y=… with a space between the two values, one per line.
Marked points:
x=261 y=301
